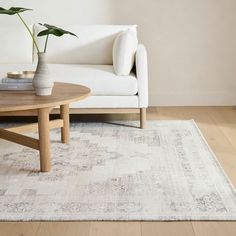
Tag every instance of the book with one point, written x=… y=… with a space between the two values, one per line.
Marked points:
x=15 y=86
x=22 y=80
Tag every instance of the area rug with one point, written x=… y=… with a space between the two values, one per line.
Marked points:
x=113 y=172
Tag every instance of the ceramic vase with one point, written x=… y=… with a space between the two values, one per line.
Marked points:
x=42 y=81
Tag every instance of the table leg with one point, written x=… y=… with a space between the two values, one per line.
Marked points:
x=44 y=139
x=65 y=130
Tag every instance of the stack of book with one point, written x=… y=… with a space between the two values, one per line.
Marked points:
x=22 y=82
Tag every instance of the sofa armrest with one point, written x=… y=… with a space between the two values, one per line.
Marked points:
x=142 y=75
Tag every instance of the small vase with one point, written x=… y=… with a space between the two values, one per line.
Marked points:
x=42 y=81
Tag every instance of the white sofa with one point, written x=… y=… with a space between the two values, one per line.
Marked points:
x=87 y=61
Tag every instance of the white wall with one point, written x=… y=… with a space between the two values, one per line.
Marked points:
x=191 y=43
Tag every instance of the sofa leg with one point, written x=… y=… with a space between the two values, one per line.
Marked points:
x=142 y=118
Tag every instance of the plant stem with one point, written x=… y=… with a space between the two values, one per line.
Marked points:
x=46 y=43
x=32 y=36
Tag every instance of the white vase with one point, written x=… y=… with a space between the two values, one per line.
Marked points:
x=42 y=81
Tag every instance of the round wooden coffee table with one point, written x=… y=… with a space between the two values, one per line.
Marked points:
x=63 y=94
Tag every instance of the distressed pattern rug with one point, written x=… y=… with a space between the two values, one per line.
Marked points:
x=117 y=172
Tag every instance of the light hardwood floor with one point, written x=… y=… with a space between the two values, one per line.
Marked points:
x=218 y=125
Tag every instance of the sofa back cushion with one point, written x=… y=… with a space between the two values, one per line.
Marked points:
x=15 y=45
x=93 y=46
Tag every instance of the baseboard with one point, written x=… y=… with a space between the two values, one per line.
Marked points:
x=193 y=99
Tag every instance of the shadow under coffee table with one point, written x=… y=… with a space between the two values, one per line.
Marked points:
x=63 y=94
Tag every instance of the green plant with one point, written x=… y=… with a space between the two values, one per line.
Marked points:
x=17 y=11
x=53 y=30
x=50 y=29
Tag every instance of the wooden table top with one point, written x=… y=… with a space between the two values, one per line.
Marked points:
x=63 y=93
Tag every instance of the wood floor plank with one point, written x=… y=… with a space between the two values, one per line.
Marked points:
x=226 y=121
x=63 y=229
x=166 y=113
x=18 y=228
x=214 y=228
x=115 y=229
x=167 y=229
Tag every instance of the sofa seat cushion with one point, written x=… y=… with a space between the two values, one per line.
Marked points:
x=101 y=79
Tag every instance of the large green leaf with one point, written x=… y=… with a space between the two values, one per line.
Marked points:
x=13 y=10
x=51 y=29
